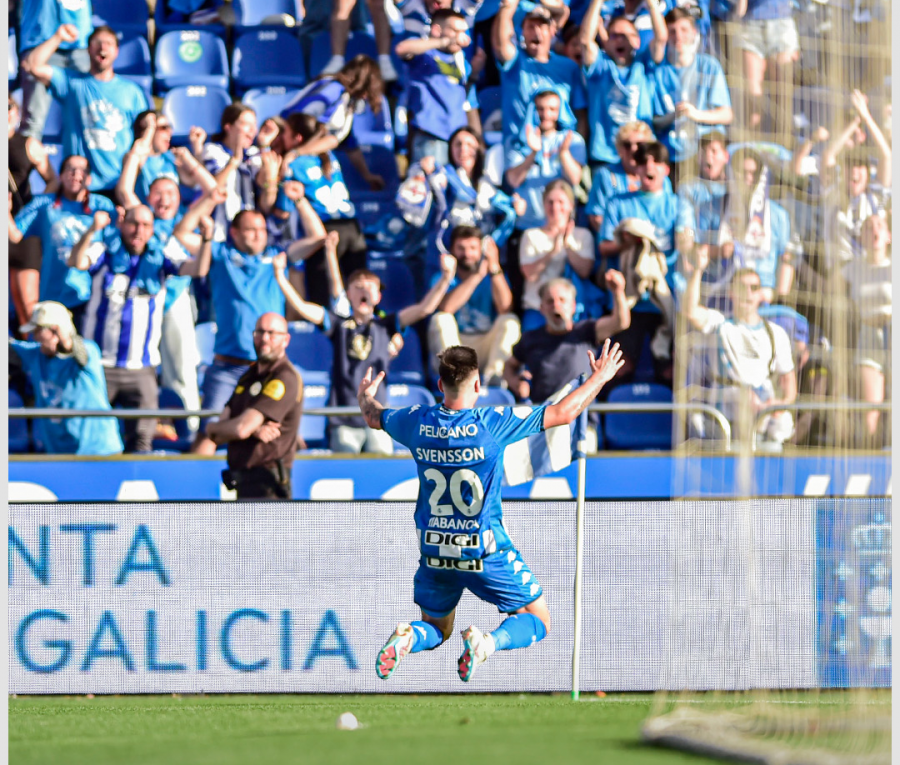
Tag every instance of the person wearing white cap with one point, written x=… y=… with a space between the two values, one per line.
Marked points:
x=65 y=373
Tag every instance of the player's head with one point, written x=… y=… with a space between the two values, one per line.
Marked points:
x=270 y=337
x=623 y=42
x=238 y=126
x=713 y=155
x=547 y=105
x=465 y=246
x=450 y=24
x=746 y=294
x=52 y=326
x=458 y=372
x=363 y=292
x=652 y=160
x=559 y=202
x=164 y=197
x=875 y=235
x=103 y=49
x=558 y=304
x=248 y=232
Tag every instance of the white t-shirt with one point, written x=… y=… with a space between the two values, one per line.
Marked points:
x=870 y=290
x=744 y=353
x=535 y=244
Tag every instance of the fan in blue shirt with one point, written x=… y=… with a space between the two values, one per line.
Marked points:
x=437 y=102
x=549 y=151
x=638 y=13
x=59 y=220
x=672 y=218
x=690 y=94
x=463 y=543
x=533 y=66
x=99 y=108
x=65 y=373
x=618 y=76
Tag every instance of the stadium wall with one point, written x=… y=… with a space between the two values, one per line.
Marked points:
x=298 y=597
x=645 y=475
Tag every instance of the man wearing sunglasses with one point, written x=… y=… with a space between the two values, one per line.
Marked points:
x=261 y=419
x=752 y=366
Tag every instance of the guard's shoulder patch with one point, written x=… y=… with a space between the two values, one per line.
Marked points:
x=274 y=390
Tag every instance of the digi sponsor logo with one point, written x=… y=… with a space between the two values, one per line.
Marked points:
x=474 y=566
x=456 y=540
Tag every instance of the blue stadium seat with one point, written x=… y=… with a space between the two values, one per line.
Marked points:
x=370 y=129
x=19 y=441
x=133 y=63
x=320 y=52
x=124 y=16
x=639 y=430
x=54 y=154
x=265 y=58
x=190 y=57
x=397 y=287
x=314 y=427
x=13 y=61
x=309 y=349
x=407 y=368
x=194 y=105
x=206 y=340
x=53 y=127
x=169 y=399
x=495 y=396
x=381 y=161
x=400 y=396
x=490 y=107
x=268 y=102
x=251 y=13
x=168 y=20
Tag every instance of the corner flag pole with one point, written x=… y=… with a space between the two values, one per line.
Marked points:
x=579 y=555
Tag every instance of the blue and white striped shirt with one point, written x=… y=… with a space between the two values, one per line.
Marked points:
x=122 y=318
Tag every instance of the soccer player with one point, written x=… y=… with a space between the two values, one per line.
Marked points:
x=459 y=519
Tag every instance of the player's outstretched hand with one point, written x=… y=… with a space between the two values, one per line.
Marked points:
x=608 y=364
x=369 y=387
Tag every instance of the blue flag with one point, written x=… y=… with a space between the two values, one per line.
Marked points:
x=549 y=451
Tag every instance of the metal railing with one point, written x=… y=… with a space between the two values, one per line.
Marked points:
x=349 y=411
x=815 y=406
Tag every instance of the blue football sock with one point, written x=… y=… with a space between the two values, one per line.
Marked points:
x=427 y=637
x=519 y=631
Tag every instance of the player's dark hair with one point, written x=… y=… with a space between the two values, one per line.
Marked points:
x=457 y=364
x=464 y=232
x=363 y=273
x=361 y=78
x=139 y=125
x=713 y=136
x=654 y=149
x=103 y=29
x=743 y=154
x=443 y=14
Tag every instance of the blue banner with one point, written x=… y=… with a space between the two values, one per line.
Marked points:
x=853 y=593
x=638 y=476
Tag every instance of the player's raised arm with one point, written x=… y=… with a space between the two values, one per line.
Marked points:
x=370 y=408
x=602 y=371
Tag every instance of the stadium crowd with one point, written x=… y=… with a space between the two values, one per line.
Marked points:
x=527 y=178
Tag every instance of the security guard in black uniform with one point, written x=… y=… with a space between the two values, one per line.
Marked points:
x=261 y=419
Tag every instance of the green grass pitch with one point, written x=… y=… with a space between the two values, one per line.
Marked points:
x=396 y=730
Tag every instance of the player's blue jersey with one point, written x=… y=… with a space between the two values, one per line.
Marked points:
x=459 y=457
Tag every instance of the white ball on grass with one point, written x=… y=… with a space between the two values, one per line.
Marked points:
x=347 y=721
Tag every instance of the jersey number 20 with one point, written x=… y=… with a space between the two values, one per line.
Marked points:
x=457 y=479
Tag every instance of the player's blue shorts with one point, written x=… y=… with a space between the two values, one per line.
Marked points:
x=504 y=580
